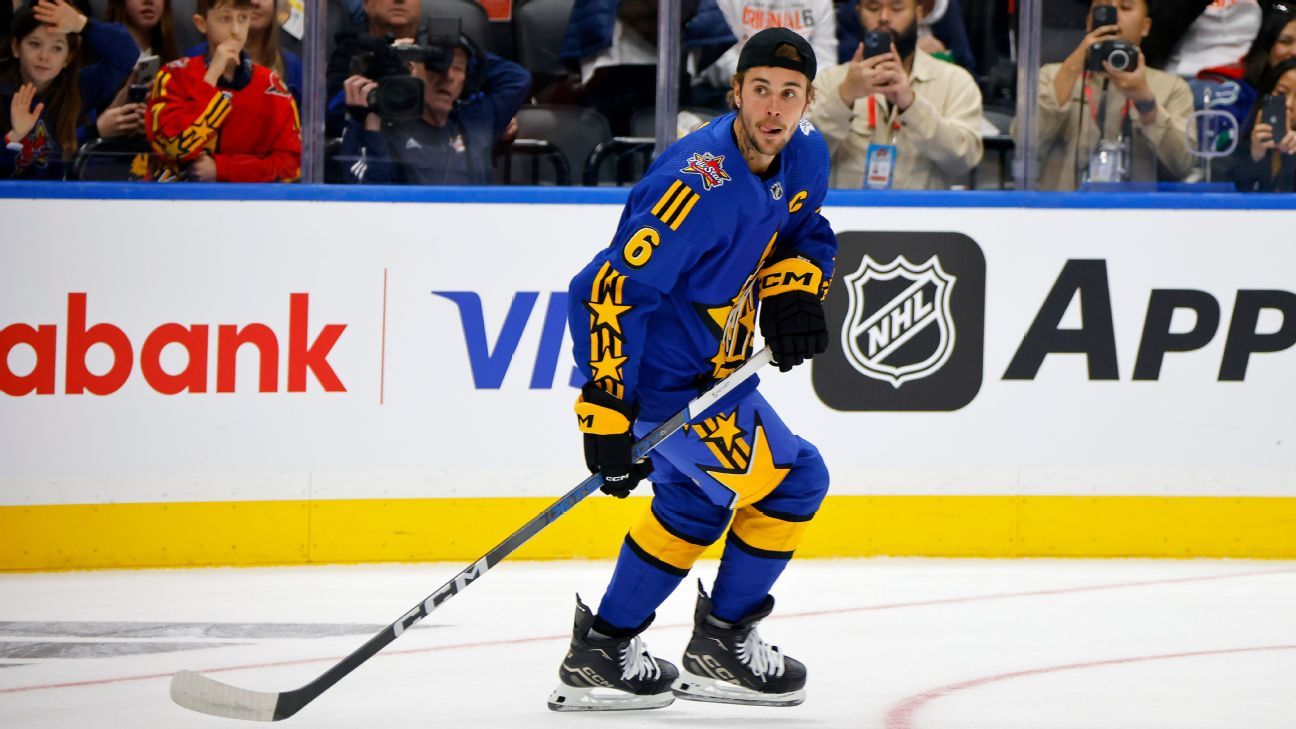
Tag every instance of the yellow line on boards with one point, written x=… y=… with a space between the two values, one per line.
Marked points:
x=92 y=536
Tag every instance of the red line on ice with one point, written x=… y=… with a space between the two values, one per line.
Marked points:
x=901 y=715
x=565 y=636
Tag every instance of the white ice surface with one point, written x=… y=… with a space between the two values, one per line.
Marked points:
x=890 y=644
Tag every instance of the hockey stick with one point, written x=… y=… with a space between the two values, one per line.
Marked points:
x=195 y=691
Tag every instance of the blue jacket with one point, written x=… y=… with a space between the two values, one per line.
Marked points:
x=41 y=158
x=683 y=267
x=457 y=154
x=292 y=69
x=590 y=28
x=950 y=30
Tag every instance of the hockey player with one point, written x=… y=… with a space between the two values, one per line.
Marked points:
x=726 y=217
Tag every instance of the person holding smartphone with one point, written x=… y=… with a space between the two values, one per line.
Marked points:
x=893 y=115
x=1268 y=162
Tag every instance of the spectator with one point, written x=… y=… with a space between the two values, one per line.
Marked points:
x=1137 y=119
x=811 y=19
x=942 y=30
x=392 y=19
x=1268 y=162
x=467 y=107
x=222 y=117
x=1219 y=36
x=149 y=23
x=1274 y=43
x=615 y=42
x=903 y=114
x=46 y=98
x=263 y=47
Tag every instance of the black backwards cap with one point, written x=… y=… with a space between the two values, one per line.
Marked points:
x=760 y=51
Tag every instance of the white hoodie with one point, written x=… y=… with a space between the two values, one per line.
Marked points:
x=811 y=19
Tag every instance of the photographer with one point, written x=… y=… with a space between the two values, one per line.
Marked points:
x=446 y=138
x=894 y=116
x=1104 y=115
x=382 y=19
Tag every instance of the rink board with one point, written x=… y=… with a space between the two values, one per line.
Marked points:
x=399 y=383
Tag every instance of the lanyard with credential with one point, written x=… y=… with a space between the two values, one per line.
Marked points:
x=872 y=116
x=1093 y=109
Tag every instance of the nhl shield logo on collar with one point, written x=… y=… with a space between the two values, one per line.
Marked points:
x=776 y=191
x=898 y=326
x=709 y=167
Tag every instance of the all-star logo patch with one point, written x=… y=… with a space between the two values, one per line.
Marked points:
x=776 y=191
x=709 y=167
x=37 y=148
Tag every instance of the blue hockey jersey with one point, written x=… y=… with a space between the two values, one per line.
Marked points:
x=670 y=306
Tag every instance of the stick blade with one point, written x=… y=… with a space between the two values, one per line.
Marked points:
x=208 y=696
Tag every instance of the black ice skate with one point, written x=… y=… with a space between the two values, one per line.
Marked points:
x=610 y=675
x=734 y=666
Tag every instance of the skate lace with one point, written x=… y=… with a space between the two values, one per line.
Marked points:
x=762 y=658
x=636 y=662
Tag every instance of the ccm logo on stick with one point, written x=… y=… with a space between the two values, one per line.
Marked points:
x=304 y=355
x=1096 y=336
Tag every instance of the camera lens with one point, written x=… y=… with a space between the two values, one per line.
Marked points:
x=1119 y=60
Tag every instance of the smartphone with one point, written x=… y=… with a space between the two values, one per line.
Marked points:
x=1103 y=15
x=1273 y=111
x=146 y=69
x=877 y=43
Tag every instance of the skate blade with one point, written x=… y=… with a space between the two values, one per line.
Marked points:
x=577 y=698
x=692 y=687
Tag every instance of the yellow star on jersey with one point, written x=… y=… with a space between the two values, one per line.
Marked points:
x=608 y=366
x=607 y=312
x=760 y=477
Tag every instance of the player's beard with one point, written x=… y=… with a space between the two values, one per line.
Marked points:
x=758 y=141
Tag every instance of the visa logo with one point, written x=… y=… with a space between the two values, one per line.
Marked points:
x=490 y=363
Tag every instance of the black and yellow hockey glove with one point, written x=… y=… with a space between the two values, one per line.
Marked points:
x=791 y=312
x=606 y=422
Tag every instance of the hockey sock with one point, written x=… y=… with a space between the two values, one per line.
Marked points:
x=653 y=561
x=759 y=546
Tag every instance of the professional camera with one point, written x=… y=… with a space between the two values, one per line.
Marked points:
x=399 y=96
x=1121 y=55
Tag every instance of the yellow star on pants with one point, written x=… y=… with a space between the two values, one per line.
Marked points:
x=760 y=477
x=726 y=429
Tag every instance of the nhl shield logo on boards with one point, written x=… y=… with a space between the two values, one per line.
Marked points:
x=898 y=325
x=908 y=310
